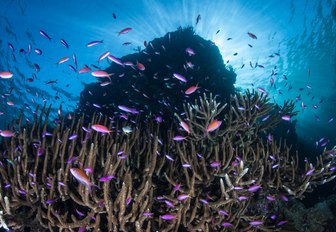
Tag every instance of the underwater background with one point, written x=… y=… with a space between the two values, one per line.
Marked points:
x=284 y=49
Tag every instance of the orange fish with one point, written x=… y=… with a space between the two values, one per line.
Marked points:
x=214 y=125
x=81 y=177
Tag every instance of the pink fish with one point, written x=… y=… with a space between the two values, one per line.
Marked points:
x=6 y=133
x=100 y=128
x=125 y=30
x=190 y=51
x=84 y=70
x=103 y=56
x=185 y=126
x=140 y=66
x=6 y=75
x=191 y=89
x=179 y=77
x=95 y=43
x=101 y=73
x=62 y=60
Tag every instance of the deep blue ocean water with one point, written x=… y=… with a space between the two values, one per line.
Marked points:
x=301 y=32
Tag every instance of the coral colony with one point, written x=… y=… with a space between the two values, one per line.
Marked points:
x=212 y=165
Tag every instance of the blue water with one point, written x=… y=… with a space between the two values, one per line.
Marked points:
x=301 y=32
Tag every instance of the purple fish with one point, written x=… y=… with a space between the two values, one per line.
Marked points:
x=64 y=43
x=182 y=197
x=115 y=60
x=95 y=43
x=256 y=223
x=38 y=51
x=128 y=109
x=215 y=164
x=106 y=178
x=45 y=35
x=286 y=118
x=168 y=217
x=226 y=224
x=254 y=188
x=179 y=138
x=180 y=77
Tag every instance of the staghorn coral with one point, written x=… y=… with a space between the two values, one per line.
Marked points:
x=146 y=181
x=245 y=117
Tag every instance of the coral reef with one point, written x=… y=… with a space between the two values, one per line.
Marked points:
x=223 y=178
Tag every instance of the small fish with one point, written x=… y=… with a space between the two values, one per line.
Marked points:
x=286 y=118
x=6 y=75
x=180 y=77
x=168 y=217
x=191 y=89
x=253 y=36
x=256 y=223
x=214 y=125
x=126 y=43
x=51 y=82
x=254 y=188
x=101 y=73
x=115 y=60
x=179 y=138
x=62 y=60
x=128 y=109
x=124 y=31
x=81 y=177
x=190 y=51
x=182 y=197
x=217 y=32
x=64 y=43
x=140 y=66
x=185 y=126
x=308 y=71
x=6 y=133
x=38 y=51
x=84 y=70
x=103 y=56
x=106 y=178
x=127 y=129
x=45 y=35
x=198 y=19
x=95 y=43
x=100 y=128
x=114 y=15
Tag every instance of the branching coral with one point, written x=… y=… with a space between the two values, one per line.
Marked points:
x=146 y=181
x=245 y=116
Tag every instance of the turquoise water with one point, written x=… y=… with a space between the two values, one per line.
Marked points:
x=296 y=37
